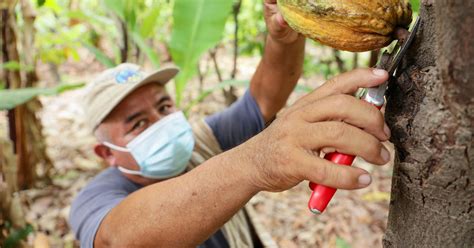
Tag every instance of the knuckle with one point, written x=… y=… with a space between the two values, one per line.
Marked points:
x=373 y=148
x=338 y=101
x=379 y=118
x=332 y=84
x=321 y=174
x=336 y=131
x=376 y=119
x=380 y=122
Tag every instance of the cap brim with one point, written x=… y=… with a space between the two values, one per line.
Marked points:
x=162 y=76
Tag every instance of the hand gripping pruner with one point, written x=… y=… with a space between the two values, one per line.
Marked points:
x=321 y=194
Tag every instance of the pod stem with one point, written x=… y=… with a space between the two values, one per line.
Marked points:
x=401 y=34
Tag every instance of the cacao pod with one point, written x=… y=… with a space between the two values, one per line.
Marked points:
x=351 y=25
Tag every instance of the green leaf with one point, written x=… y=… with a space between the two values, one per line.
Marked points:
x=197 y=26
x=15 y=66
x=100 y=56
x=13 y=240
x=149 y=52
x=117 y=7
x=40 y=2
x=415 y=5
x=67 y=87
x=130 y=14
x=52 y=4
x=209 y=91
x=149 y=22
x=341 y=243
x=12 y=98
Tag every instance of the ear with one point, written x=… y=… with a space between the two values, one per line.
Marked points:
x=105 y=153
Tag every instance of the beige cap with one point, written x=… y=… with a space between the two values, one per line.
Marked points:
x=114 y=84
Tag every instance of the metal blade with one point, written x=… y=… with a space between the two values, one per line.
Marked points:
x=404 y=47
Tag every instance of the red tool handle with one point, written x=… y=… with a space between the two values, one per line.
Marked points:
x=322 y=195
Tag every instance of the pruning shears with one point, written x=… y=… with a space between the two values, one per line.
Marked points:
x=389 y=61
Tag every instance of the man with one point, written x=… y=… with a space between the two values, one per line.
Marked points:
x=150 y=197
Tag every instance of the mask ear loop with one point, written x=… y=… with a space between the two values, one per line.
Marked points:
x=115 y=147
x=127 y=171
x=122 y=149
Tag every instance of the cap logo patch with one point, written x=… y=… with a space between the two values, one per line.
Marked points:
x=128 y=76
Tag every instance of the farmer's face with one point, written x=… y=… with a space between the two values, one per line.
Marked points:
x=139 y=110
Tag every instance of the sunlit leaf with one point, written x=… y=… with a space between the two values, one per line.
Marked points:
x=52 y=4
x=116 y=6
x=12 y=98
x=197 y=26
x=130 y=14
x=149 y=22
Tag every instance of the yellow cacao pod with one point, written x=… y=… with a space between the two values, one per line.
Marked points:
x=351 y=25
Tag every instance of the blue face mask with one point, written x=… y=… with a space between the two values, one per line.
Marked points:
x=163 y=150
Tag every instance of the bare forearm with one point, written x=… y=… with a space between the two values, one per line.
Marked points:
x=277 y=75
x=180 y=212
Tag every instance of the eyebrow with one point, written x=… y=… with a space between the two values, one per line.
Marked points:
x=135 y=115
x=162 y=99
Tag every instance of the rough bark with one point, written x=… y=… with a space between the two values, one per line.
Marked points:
x=431 y=113
x=25 y=128
x=37 y=158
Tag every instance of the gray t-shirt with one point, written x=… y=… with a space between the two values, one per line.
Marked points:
x=231 y=127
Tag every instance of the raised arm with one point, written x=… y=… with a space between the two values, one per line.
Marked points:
x=281 y=65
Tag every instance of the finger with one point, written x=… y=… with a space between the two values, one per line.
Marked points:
x=345 y=139
x=348 y=83
x=324 y=172
x=349 y=110
x=278 y=18
x=278 y=23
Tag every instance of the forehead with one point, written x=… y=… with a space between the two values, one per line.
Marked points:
x=140 y=98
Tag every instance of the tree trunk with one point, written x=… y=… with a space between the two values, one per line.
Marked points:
x=24 y=127
x=431 y=113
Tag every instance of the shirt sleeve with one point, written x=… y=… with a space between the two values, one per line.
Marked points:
x=238 y=123
x=91 y=206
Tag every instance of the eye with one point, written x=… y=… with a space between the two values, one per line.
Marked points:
x=165 y=109
x=139 y=124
